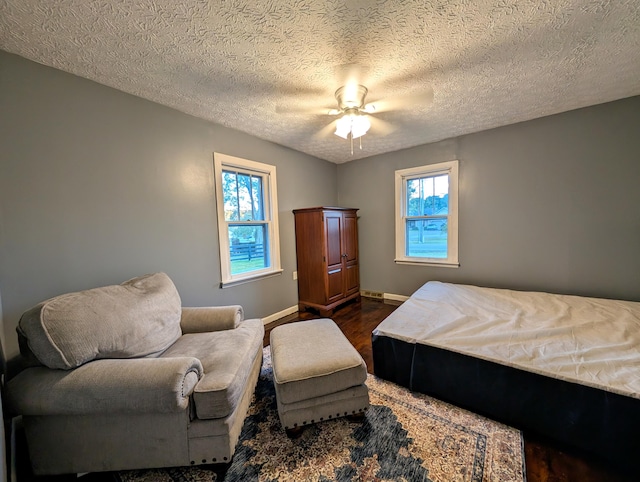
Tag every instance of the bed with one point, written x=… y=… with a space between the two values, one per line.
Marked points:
x=565 y=367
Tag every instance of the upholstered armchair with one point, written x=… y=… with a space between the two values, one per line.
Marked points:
x=123 y=377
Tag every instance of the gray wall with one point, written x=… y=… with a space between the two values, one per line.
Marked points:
x=551 y=204
x=97 y=186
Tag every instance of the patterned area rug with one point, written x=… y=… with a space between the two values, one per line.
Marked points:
x=404 y=437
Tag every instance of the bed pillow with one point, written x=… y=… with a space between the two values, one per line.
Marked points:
x=137 y=318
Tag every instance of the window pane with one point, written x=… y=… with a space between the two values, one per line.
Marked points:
x=414 y=199
x=248 y=246
x=256 y=194
x=441 y=194
x=428 y=196
x=230 y=195
x=244 y=197
x=426 y=238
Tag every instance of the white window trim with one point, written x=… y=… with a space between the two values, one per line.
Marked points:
x=222 y=161
x=401 y=177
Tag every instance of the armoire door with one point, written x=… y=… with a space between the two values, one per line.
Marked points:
x=350 y=254
x=334 y=255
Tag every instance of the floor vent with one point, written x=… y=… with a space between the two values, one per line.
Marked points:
x=372 y=294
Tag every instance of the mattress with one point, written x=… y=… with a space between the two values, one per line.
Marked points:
x=564 y=367
x=589 y=341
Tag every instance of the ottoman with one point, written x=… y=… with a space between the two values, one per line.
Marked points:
x=317 y=373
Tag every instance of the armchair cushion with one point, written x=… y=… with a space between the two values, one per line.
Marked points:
x=137 y=318
x=140 y=385
x=227 y=358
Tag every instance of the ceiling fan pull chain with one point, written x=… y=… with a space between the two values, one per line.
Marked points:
x=351 y=137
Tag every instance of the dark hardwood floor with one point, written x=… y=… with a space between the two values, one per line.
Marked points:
x=544 y=461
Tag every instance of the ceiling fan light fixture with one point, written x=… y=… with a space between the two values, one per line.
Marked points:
x=359 y=126
x=343 y=127
x=354 y=125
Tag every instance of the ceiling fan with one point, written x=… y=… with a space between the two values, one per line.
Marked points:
x=355 y=120
x=356 y=116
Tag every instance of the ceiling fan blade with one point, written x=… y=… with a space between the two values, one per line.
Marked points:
x=380 y=127
x=302 y=110
x=400 y=102
x=326 y=131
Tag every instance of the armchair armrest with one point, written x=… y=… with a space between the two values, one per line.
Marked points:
x=137 y=385
x=211 y=318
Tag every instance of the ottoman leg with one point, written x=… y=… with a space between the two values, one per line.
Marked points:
x=356 y=417
x=294 y=433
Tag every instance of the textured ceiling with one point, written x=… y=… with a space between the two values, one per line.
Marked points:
x=269 y=67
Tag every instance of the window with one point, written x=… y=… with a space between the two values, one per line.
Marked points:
x=427 y=215
x=247 y=219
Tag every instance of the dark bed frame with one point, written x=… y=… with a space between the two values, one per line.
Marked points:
x=600 y=423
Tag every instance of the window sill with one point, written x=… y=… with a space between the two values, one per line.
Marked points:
x=427 y=263
x=248 y=279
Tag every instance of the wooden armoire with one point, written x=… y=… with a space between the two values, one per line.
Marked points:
x=327 y=256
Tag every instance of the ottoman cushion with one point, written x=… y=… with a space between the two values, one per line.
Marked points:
x=313 y=358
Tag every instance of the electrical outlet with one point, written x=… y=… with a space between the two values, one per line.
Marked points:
x=295 y=275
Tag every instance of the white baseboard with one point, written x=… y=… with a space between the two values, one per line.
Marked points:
x=391 y=296
x=280 y=314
